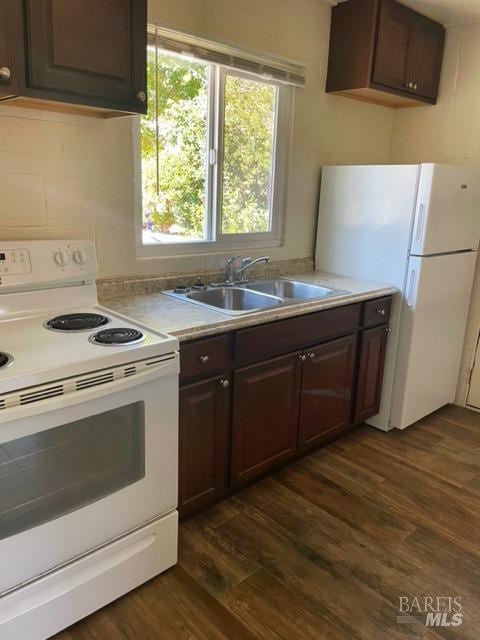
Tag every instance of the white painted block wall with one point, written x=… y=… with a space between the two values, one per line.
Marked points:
x=65 y=176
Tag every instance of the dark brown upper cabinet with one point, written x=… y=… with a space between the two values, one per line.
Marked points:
x=383 y=52
x=65 y=54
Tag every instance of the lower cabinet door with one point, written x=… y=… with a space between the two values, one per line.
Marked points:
x=203 y=445
x=370 y=373
x=326 y=396
x=265 y=416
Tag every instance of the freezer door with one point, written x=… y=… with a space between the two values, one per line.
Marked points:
x=432 y=330
x=365 y=221
x=447 y=217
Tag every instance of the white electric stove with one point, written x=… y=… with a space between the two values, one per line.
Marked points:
x=88 y=443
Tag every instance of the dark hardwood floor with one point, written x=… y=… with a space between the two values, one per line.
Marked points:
x=324 y=548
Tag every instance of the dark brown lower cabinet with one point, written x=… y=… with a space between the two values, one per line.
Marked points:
x=204 y=443
x=370 y=372
x=256 y=398
x=265 y=416
x=326 y=396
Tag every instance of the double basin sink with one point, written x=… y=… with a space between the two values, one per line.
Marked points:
x=254 y=296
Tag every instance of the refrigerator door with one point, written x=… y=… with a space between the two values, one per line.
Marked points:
x=446 y=217
x=432 y=331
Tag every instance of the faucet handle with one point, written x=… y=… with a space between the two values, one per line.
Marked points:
x=231 y=266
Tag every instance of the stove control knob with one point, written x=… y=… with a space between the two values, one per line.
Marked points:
x=61 y=258
x=79 y=256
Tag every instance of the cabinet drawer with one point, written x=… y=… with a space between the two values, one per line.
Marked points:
x=276 y=338
x=377 y=312
x=203 y=358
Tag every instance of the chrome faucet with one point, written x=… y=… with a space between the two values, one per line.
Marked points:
x=247 y=263
x=234 y=275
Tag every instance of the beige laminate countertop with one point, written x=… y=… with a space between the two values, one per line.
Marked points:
x=188 y=321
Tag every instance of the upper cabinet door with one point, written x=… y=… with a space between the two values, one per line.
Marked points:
x=5 y=68
x=8 y=75
x=384 y=52
x=91 y=52
x=393 y=46
x=426 y=55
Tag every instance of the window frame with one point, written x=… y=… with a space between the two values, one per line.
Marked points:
x=215 y=241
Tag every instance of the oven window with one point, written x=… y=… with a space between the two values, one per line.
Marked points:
x=54 y=472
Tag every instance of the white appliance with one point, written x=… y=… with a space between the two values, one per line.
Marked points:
x=88 y=443
x=415 y=227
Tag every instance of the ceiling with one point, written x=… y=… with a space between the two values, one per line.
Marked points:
x=448 y=12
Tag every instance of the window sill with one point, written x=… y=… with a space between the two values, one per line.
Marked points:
x=202 y=248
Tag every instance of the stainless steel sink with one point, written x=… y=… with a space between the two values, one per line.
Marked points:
x=233 y=300
x=254 y=296
x=292 y=290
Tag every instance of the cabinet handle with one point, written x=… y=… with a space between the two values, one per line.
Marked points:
x=388 y=330
x=225 y=383
x=415 y=86
x=5 y=73
x=141 y=96
x=302 y=357
x=382 y=312
x=311 y=355
x=204 y=359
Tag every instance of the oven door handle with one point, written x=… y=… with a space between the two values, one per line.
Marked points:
x=170 y=367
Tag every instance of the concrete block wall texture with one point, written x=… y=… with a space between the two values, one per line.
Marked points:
x=74 y=176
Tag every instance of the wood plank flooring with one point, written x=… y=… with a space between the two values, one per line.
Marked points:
x=323 y=549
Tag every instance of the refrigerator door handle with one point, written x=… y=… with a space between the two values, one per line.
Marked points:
x=412 y=281
x=420 y=223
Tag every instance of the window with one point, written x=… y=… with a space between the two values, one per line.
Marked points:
x=213 y=148
x=54 y=472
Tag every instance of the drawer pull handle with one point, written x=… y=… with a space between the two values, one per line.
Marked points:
x=5 y=73
x=311 y=355
x=382 y=312
x=225 y=383
x=204 y=359
x=302 y=357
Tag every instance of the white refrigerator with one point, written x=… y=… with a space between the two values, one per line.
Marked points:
x=415 y=227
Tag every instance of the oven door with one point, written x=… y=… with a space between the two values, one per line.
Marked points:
x=84 y=468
